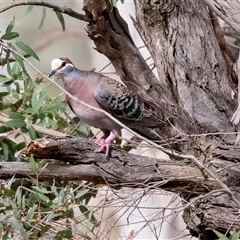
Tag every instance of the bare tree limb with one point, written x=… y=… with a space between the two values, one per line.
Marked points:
x=227 y=10
x=65 y=10
x=227 y=54
x=119 y=168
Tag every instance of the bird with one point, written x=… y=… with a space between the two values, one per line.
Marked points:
x=110 y=95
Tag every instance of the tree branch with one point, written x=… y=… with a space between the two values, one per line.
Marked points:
x=56 y=8
x=227 y=10
x=119 y=168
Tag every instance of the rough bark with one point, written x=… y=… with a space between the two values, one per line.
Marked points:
x=189 y=62
x=120 y=168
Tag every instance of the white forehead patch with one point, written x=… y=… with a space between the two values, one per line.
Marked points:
x=56 y=63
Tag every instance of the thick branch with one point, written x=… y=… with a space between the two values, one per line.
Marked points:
x=120 y=168
x=65 y=10
x=227 y=10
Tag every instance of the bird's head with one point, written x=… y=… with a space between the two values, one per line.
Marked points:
x=61 y=66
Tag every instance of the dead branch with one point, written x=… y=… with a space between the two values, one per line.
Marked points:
x=226 y=10
x=120 y=168
x=56 y=8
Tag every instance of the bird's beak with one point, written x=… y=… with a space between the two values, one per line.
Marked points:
x=52 y=72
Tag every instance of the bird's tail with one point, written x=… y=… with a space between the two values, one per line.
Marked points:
x=151 y=134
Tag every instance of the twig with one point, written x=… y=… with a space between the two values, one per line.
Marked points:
x=56 y=8
x=50 y=132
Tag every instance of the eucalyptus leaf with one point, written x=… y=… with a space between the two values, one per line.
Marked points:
x=43 y=17
x=10 y=35
x=16 y=115
x=61 y=19
x=29 y=10
x=81 y=193
x=24 y=47
x=15 y=123
x=32 y=132
x=10 y=26
x=33 y=165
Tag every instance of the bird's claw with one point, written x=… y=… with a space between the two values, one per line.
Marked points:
x=103 y=145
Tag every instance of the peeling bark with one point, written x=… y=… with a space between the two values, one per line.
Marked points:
x=189 y=62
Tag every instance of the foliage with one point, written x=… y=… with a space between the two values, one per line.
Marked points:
x=234 y=235
x=114 y=2
x=30 y=208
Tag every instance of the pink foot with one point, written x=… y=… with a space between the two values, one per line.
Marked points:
x=101 y=141
x=105 y=143
x=104 y=146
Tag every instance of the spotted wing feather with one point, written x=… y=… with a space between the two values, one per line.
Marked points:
x=125 y=104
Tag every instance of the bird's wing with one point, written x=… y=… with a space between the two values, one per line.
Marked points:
x=124 y=104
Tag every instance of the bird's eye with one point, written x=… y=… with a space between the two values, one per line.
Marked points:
x=63 y=64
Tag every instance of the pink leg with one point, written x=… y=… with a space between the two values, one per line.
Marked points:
x=101 y=140
x=106 y=143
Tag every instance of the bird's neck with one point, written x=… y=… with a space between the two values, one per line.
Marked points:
x=78 y=81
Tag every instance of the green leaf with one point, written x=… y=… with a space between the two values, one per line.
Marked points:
x=4 y=129
x=18 y=196
x=52 y=106
x=5 y=150
x=43 y=197
x=113 y=2
x=43 y=18
x=235 y=234
x=64 y=234
x=29 y=9
x=220 y=235
x=37 y=101
x=16 y=115
x=32 y=132
x=41 y=189
x=33 y=164
x=20 y=146
x=10 y=26
x=24 y=47
x=16 y=70
x=15 y=123
x=81 y=193
x=31 y=212
x=3 y=94
x=19 y=60
x=62 y=196
x=61 y=19
x=4 y=80
x=10 y=36
x=16 y=225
